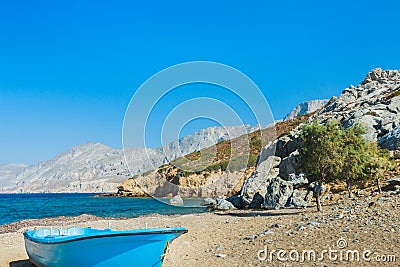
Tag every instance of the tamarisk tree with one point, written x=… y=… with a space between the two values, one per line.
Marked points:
x=377 y=164
x=321 y=155
x=355 y=156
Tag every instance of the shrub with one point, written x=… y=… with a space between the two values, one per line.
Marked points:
x=393 y=94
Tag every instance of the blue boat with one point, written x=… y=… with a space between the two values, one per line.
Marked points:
x=101 y=248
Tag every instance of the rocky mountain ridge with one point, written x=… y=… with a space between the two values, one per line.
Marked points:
x=306 y=108
x=94 y=167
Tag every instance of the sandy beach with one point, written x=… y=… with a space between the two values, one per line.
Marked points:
x=360 y=226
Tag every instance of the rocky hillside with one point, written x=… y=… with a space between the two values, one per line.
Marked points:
x=94 y=167
x=306 y=108
x=211 y=171
x=276 y=182
x=9 y=170
x=374 y=103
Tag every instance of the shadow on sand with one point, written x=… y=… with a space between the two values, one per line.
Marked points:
x=21 y=263
x=265 y=213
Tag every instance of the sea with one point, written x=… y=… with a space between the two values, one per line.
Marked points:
x=17 y=207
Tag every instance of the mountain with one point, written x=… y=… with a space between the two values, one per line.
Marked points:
x=374 y=103
x=94 y=167
x=274 y=181
x=11 y=168
x=306 y=108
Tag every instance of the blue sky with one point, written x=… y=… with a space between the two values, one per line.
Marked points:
x=69 y=68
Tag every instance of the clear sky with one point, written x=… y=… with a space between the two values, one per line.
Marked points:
x=69 y=68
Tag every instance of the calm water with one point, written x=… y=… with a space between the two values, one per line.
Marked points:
x=16 y=207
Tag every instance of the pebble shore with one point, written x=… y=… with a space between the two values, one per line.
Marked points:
x=248 y=237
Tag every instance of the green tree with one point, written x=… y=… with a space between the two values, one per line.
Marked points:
x=377 y=164
x=355 y=156
x=321 y=153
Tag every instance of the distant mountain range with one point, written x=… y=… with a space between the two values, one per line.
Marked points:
x=94 y=167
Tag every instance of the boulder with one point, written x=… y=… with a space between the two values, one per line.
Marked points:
x=268 y=167
x=371 y=123
x=236 y=200
x=380 y=76
x=313 y=188
x=297 y=180
x=223 y=204
x=208 y=202
x=257 y=202
x=374 y=103
x=120 y=189
x=176 y=201
x=294 y=143
x=260 y=179
x=299 y=199
x=278 y=193
x=348 y=95
x=330 y=106
x=394 y=181
x=391 y=140
x=373 y=75
x=394 y=105
x=289 y=165
x=281 y=146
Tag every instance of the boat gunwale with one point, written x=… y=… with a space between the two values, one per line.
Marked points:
x=110 y=234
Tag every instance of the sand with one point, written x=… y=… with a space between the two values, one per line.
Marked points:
x=240 y=238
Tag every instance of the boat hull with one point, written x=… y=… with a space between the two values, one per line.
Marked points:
x=141 y=248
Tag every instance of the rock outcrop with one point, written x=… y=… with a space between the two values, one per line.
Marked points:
x=375 y=104
x=299 y=199
x=391 y=140
x=278 y=193
x=220 y=203
x=255 y=187
x=223 y=204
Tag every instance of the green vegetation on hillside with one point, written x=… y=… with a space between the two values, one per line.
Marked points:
x=238 y=154
x=393 y=94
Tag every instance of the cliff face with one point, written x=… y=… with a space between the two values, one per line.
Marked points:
x=306 y=108
x=94 y=167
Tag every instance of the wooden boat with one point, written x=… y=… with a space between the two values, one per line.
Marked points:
x=101 y=248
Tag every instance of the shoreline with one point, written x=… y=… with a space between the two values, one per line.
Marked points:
x=64 y=221
x=17 y=208
x=235 y=237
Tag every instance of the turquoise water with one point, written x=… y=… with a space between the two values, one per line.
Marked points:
x=17 y=207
